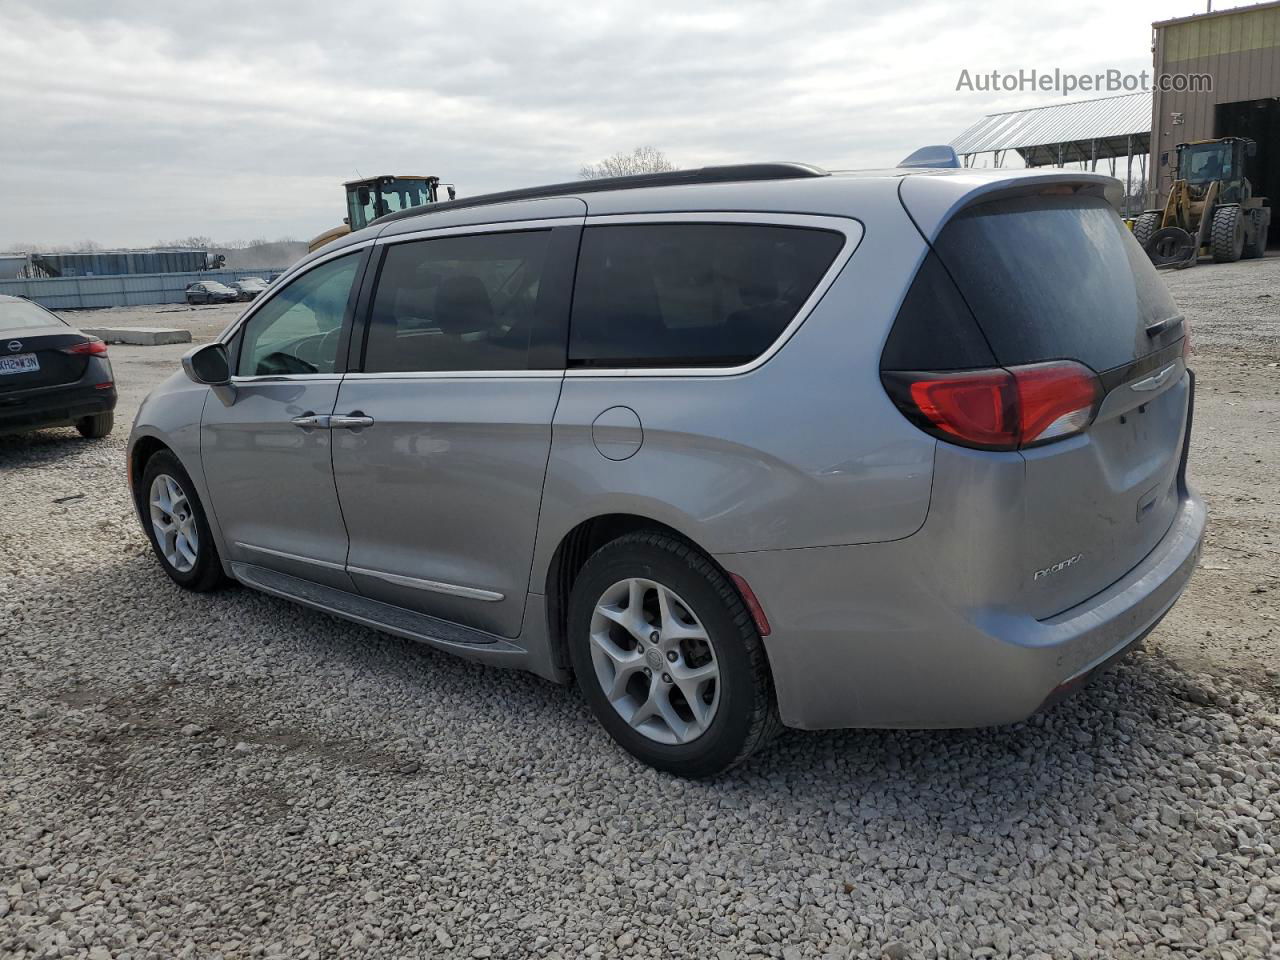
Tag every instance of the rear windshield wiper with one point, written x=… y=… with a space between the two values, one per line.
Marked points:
x=1160 y=326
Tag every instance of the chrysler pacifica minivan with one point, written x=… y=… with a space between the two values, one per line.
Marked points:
x=734 y=449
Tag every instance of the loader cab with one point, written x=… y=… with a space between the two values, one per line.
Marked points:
x=1211 y=161
x=377 y=196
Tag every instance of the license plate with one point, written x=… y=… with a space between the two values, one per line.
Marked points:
x=19 y=363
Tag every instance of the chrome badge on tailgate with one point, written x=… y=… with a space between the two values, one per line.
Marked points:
x=1057 y=567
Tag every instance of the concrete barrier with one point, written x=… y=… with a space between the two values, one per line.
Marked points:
x=141 y=336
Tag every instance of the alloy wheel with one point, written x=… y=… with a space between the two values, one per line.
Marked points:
x=655 y=661
x=174 y=522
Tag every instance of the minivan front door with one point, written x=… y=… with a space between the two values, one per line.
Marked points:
x=440 y=473
x=266 y=444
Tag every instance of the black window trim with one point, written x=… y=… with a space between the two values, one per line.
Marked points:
x=562 y=260
x=852 y=229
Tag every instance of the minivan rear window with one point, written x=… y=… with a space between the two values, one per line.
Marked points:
x=1055 y=277
x=691 y=294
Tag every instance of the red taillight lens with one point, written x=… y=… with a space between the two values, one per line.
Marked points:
x=1001 y=408
x=976 y=408
x=92 y=347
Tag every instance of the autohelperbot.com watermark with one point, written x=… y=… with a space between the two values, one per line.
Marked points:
x=1066 y=82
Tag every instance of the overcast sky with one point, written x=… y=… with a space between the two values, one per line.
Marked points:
x=131 y=123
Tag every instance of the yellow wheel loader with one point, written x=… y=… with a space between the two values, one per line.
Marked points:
x=1210 y=204
x=373 y=197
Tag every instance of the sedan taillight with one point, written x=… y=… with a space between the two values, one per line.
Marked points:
x=1003 y=408
x=92 y=347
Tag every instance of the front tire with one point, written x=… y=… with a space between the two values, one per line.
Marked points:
x=668 y=657
x=1146 y=225
x=1227 y=234
x=175 y=523
x=96 y=426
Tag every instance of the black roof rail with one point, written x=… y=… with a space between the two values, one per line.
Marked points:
x=731 y=173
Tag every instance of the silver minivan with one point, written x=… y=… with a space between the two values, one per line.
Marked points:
x=736 y=448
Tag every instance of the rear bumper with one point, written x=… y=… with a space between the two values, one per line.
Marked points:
x=54 y=406
x=862 y=638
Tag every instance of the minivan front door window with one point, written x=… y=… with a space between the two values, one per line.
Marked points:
x=297 y=331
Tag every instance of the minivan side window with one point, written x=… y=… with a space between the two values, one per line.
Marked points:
x=691 y=294
x=298 y=330
x=458 y=303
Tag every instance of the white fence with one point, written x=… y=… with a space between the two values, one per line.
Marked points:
x=121 y=290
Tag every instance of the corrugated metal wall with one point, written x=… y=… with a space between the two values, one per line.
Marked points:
x=125 y=290
x=1239 y=48
x=108 y=263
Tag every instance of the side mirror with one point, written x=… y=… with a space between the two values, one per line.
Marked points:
x=208 y=364
x=362 y=195
x=1252 y=148
x=453 y=192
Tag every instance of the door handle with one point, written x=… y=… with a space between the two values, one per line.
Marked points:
x=310 y=420
x=352 y=422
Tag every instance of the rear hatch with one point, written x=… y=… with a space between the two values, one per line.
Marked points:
x=1044 y=283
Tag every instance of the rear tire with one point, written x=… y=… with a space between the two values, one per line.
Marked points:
x=1145 y=226
x=96 y=426
x=1256 y=245
x=1227 y=235
x=195 y=566
x=673 y=622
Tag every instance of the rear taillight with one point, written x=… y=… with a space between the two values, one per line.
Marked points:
x=92 y=347
x=1003 y=408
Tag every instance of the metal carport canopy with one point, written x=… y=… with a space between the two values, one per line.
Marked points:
x=1080 y=131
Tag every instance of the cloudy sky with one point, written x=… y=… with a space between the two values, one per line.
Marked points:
x=130 y=123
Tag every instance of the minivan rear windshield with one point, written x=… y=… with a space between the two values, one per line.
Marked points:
x=1051 y=278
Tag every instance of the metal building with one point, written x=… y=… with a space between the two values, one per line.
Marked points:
x=1114 y=131
x=13 y=265
x=1239 y=50
x=99 y=263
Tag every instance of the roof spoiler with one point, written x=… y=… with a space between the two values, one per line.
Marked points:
x=938 y=155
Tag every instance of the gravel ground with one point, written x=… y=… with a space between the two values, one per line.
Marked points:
x=233 y=776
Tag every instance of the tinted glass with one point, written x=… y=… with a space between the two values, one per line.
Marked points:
x=691 y=294
x=458 y=303
x=934 y=329
x=1053 y=278
x=22 y=315
x=298 y=330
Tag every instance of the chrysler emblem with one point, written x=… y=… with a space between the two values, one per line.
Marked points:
x=15 y=346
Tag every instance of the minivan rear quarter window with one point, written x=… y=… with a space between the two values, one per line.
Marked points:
x=691 y=294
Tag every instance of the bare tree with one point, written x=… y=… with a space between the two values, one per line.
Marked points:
x=189 y=243
x=639 y=160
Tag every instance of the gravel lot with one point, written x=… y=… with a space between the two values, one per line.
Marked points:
x=232 y=776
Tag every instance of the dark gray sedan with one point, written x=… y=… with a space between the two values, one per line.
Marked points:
x=211 y=291
x=247 y=288
x=51 y=374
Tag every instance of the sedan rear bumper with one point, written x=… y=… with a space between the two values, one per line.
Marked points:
x=861 y=638
x=53 y=406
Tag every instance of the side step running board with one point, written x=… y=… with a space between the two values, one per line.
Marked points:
x=455 y=638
